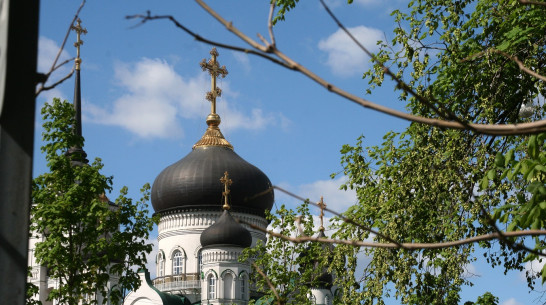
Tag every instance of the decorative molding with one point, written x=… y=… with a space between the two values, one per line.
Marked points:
x=209 y=256
x=201 y=219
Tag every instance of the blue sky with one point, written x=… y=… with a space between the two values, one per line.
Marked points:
x=144 y=107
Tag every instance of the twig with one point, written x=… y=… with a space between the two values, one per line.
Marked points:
x=145 y=18
x=406 y=246
x=287 y=62
x=532 y=2
x=45 y=88
x=270 y=23
x=271 y=286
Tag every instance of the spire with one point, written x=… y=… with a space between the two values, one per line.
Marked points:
x=226 y=182
x=213 y=136
x=77 y=154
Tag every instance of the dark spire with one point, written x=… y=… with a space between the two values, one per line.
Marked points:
x=77 y=154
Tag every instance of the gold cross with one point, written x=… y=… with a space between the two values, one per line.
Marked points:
x=79 y=30
x=322 y=206
x=214 y=70
x=226 y=182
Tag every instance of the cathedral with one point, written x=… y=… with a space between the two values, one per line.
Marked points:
x=199 y=200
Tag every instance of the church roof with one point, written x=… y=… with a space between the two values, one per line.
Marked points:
x=192 y=182
x=226 y=231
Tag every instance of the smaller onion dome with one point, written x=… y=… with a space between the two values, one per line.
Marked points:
x=226 y=231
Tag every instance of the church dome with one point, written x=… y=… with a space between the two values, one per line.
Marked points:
x=192 y=182
x=226 y=231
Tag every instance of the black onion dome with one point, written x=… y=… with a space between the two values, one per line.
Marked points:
x=194 y=182
x=226 y=231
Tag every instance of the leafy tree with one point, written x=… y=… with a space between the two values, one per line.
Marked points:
x=289 y=266
x=421 y=185
x=87 y=239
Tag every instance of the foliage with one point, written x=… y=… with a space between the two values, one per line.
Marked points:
x=87 y=240
x=524 y=168
x=285 y=263
x=420 y=185
x=486 y=299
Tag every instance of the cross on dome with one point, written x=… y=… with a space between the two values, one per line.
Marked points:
x=226 y=182
x=214 y=70
x=79 y=30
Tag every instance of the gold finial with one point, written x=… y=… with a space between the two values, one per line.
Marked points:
x=79 y=30
x=322 y=206
x=226 y=182
x=214 y=70
x=213 y=136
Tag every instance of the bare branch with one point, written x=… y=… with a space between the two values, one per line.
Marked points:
x=148 y=17
x=287 y=62
x=270 y=23
x=45 y=88
x=271 y=286
x=526 y=2
x=406 y=246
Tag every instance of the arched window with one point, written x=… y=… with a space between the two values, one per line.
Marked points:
x=212 y=287
x=178 y=262
x=313 y=299
x=243 y=287
x=160 y=262
x=228 y=286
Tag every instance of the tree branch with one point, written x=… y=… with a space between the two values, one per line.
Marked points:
x=271 y=286
x=526 y=2
x=45 y=88
x=287 y=62
x=515 y=59
x=405 y=246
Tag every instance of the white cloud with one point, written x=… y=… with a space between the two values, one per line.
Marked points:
x=156 y=98
x=47 y=51
x=345 y=58
x=242 y=59
x=511 y=301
